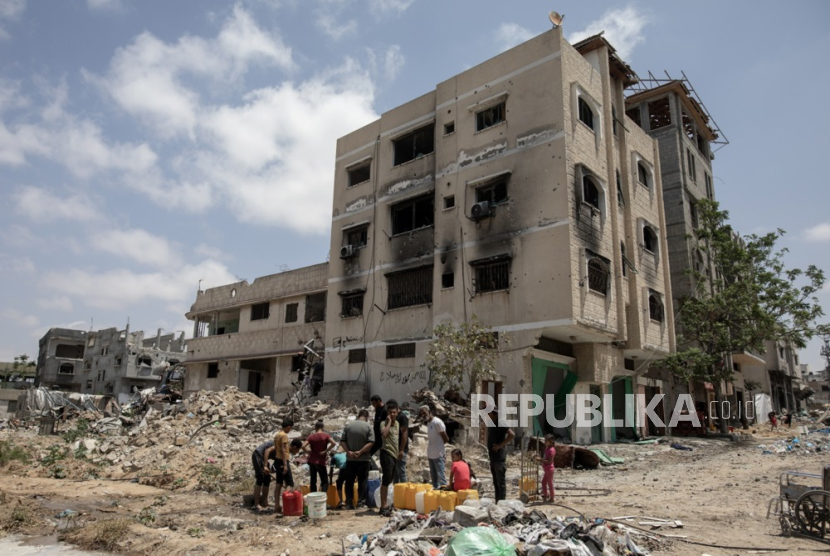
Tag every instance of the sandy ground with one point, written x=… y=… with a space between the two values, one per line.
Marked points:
x=719 y=491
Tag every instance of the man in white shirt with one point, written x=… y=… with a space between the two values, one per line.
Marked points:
x=437 y=438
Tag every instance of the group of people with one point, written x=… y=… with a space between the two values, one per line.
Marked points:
x=773 y=419
x=389 y=437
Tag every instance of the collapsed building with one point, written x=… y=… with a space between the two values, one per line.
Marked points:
x=109 y=361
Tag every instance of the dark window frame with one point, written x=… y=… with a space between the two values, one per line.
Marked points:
x=494 y=192
x=591 y=192
x=655 y=307
x=213 y=370
x=448 y=280
x=351 y=304
x=491 y=116
x=409 y=288
x=413 y=214
x=643 y=175
x=292 y=312
x=66 y=365
x=358 y=236
x=400 y=351
x=361 y=172
x=599 y=275
x=449 y=128
x=649 y=239
x=414 y=145
x=261 y=311
x=586 y=112
x=315 y=307
x=492 y=275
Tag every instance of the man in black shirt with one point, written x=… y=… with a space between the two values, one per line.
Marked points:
x=380 y=419
x=403 y=450
x=497 y=438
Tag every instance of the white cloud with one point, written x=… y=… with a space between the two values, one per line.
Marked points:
x=21 y=266
x=819 y=232
x=385 y=6
x=146 y=77
x=21 y=237
x=511 y=34
x=138 y=245
x=623 y=29
x=121 y=288
x=55 y=303
x=104 y=5
x=334 y=26
x=41 y=205
x=394 y=62
x=14 y=317
x=207 y=251
x=10 y=10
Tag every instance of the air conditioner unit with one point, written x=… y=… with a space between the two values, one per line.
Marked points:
x=348 y=251
x=481 y=210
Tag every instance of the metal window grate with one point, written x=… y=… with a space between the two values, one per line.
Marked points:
x=357 y=355
x=411 y=287
x=352 y=305
x=586 y=115
x=291 y=312
x=598 y=275
x=655 y=308
x=493 y=276
x=555 y=346
x=400 y=351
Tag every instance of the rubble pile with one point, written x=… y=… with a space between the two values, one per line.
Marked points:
x=814 y=442
x=488 y=529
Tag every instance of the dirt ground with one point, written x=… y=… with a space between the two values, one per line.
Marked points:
x=719 y=490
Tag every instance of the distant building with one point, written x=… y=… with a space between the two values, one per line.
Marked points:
x=108 y=361
x=21 y=378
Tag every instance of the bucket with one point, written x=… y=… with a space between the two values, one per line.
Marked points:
x=373 y=485
x=374 y=475
x=316 y=504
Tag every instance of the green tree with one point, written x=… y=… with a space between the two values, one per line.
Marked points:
x=462 y=355
x=751 y=297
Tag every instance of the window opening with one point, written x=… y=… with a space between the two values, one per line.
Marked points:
x=352 y=305
x=144 y=361
x=409 y=288
x=291 y=312
x=315 y=307
x=623 y=259
x=400 y=351
x=702 y=144
x=649 y=239
x=634 y=114
x=659 y=113
x=693 y=214
x=357 y=355
x=358 y=237
x=448 y=280
x=260 y=311
x=68 y=351
x=213 y=370
x=708 y=180
x=586 y=115
x=66 y=369
x=360 y=174
x=491 y=277
x=614 y=120
x=655 y=308
x=490 y=116
x=691 y=158
x=413 y=214
x=620 y=197
x=420 y=142
x=628 y=364
x=118 y=361
x=494 y=193
x=449 y=128
x=590 y=192
x=598 y=274
x=642 y=174
x=449 y=202
x=688 y=126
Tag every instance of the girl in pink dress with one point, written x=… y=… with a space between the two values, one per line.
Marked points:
x=547 y=467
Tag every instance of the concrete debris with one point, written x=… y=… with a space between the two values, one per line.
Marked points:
x=814 y=442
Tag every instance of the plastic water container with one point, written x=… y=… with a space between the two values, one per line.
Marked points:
x=430 y=501
x=373 y=485
x=292 y=503
x=418 y=487
x=374 y=475
x=390 y=496
x=410 y=496
x=305 y=489
x=446 y=501
x=420 y=506
x=400 y=495
x=316 y=504
x=463 y=495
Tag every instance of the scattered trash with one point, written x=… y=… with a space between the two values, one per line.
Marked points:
x=66 y=513
x=678 y=446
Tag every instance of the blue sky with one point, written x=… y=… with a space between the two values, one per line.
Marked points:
x=147 y=145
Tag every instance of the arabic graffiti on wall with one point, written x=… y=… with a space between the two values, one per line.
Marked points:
x=403 y=377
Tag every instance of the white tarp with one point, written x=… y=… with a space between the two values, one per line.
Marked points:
x=42 y=400
x=763 y=405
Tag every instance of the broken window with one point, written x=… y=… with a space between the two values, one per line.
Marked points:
x=622 y=259
x=555 y=346
x=357 y=237
x=643 y=175
x=213 y=370
x=420 y=142
x=66 y=369
x=586 y=115
x=67 y=351
x=352 y=304
x=357 y=355
x=105 y=350
x=659 y=113
x=448 y=280
x=449 y=128
x=315 y=307
x=360 y=174
x=702 y=144
x=260 y=311
x=614 y=120
x=691 y=158
x=291 y=312
x=688 y=126
x=87 y=366
x=628 y=364
x=598 y=275
x=655 y=307
x=634 y=114
x=409 y=287
x=490 y=116
x=708 y=180
x=413 y=214
x=144 y=361
x=118 y=361
x=590 y=192
x=494 y=193
x=649 y=239
x=400 y=351
x=297 y=363
x=693 y=214
x=449 y=201
x=492 y=275
x=620 y=197
x=89 y=385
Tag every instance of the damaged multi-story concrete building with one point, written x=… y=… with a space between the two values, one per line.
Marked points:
x=519 y=192
x=108 y=361
x=252 y=336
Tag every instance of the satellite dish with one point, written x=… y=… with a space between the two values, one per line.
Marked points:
x=556 y=19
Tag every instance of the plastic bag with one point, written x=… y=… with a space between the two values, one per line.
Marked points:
x=480 y=541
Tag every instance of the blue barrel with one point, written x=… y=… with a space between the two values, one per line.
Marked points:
x=373 y=485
